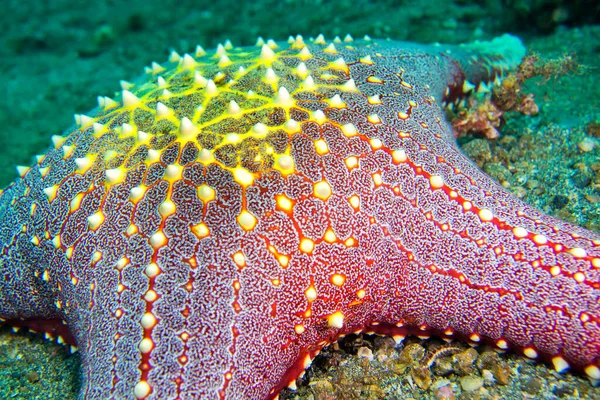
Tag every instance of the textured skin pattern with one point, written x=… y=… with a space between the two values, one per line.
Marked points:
x=200 y=240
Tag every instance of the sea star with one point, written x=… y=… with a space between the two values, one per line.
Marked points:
x=235 y=211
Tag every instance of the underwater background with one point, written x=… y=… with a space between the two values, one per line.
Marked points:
x=56 y=56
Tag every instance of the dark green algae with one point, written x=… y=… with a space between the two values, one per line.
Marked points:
x=551 y=160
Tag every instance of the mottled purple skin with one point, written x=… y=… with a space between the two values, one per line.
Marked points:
x=424 y=257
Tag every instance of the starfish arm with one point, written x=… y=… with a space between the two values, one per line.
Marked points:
x=26 y=296
x=493 y=267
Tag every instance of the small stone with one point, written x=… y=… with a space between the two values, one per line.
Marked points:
x=532 y=184
x=412 y=353
x=587 y=145
x=488 y=377
x=421 y=376
x=365 y=352
x=559 y=201
x=520 y=178
x=532 y=386
x=581 y=180
x=501 y=372
x=384 y=347
x=487 y=359
x=592 y=198
x=445 y=393
x=490 y=361
x=464 y=361
x=471 y=384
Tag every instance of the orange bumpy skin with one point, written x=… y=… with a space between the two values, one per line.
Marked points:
x=208 y=232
